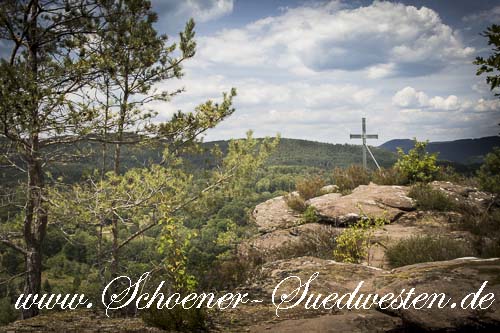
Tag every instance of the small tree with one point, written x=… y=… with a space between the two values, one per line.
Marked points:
x=489 y=174
x=418 y=165
x=489 y=177
x=40 y=81
x=492 y=63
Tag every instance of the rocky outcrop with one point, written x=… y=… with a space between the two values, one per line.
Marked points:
x=274 y=214
x=464 y=194
x=272 y=243
x=341 y=323
x=85 y=321
x=373 y=200
x=455 y=278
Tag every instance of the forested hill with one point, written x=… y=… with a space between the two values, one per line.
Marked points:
x=290 y=152
x=295 y=152
x=464 y=151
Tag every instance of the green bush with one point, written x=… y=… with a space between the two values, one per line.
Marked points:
x=295 y=202
x=309 y=215
x=177 y=318
x=419 y=249
x=418 y=165
x=489 y=173
x=449 y=174
x=354 y=243
x=7 y=311
x=309 y=187
x=350 y=178
x=428 y=198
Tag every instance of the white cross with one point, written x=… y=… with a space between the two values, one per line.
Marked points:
x=365 y=136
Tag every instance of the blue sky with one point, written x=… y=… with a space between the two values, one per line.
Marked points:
x=312 y=69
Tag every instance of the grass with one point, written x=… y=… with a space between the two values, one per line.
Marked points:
x=310 y=187
x=428 y=198
x=418 y=249
x=295 y=202
x=319 y=243
x=350 y=178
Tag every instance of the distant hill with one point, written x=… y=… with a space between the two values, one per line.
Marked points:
x=464 y=156
x=290 y=152
x=464 y=151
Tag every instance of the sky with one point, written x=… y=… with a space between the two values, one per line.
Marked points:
x=312 y=69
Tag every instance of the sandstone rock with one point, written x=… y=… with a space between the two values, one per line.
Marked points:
x=271 y=244
x=373 y=200
x=456 y=278
x=274 y=214
x=345 y=322
x=78 y=321
x=333 y=276
x=322 y=200
x=329 y=189
x=464 y=194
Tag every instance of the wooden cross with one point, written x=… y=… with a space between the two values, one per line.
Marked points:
x=365 y=136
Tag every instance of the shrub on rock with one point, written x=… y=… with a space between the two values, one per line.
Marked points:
x=418 y=249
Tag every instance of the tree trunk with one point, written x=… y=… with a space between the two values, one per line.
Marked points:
x=33 y=278
x=35 y=221
x=35 y=225
x=116 y=168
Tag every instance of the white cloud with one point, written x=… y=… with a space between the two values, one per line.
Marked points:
x=411 y=99
x=207 y=10
x=408 y=97
x=384 y=38
x=448 y=104
x=492 y=16
x=487 y=105
x=291 y=78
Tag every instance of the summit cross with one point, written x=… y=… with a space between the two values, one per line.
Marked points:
x=363 y=136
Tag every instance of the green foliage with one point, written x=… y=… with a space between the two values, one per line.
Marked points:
x=177 y=319
x=7 y=311
x=418 y=165
x=491 y=64
x=417 y=249
x=295 y=202
x=428 y=198
x=350 y=178
x=489 y=173
x=310 y=215
x=309 y=187
x=354 y=243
